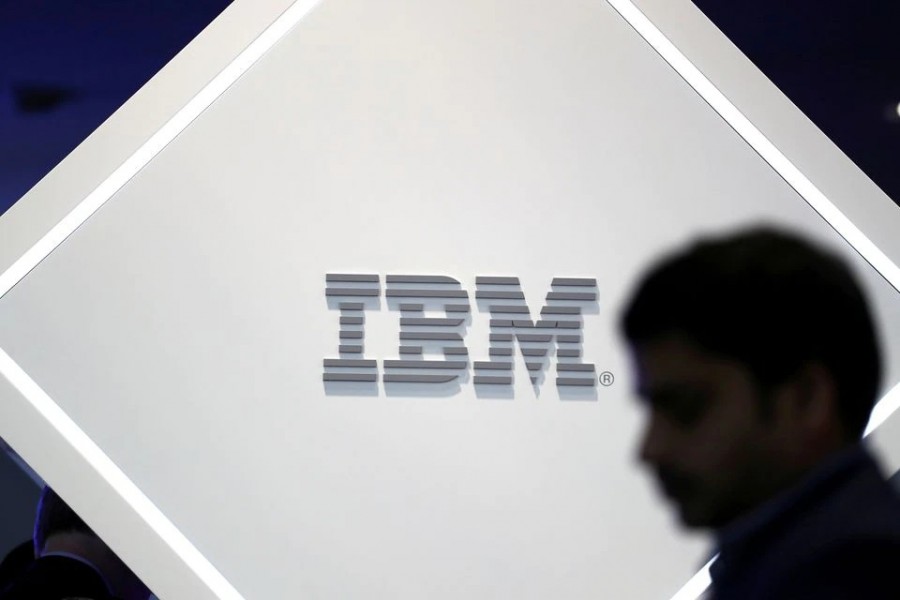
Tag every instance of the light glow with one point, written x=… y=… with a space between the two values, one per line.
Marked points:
x=884 y=409
x=697 y=584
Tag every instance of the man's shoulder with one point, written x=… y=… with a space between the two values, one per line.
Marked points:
x=848 y=541
x=841 y=533
x=860 y=568
x=864 y=508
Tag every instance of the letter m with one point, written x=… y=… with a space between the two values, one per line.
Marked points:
x=560 y=325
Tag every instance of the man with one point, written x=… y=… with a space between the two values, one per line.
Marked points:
x=757 y=360
x=72 y=562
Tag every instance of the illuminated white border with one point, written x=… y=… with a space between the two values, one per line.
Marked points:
x=32 y=392
x=791 y=174
x=132 y=495
x=153 y=146
x=117 y=479
x=697 y=584
x=884 y=409
x=759 y=142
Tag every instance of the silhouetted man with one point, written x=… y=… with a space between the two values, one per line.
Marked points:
x=72 y=562
x=757 y=360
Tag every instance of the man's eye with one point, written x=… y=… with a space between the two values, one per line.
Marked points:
x=686 y=414
x=685 y=411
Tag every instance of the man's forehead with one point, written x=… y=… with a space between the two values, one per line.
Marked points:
x=673 y=364
x=670 y=355
x=669 y=391
x=665 y=388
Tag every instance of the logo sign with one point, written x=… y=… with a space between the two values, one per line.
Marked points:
x=434 y=310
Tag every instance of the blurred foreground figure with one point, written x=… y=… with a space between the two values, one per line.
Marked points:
x=757 y=359
x=72 y=562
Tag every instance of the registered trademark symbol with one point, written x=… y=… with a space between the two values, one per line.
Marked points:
x=607 y=378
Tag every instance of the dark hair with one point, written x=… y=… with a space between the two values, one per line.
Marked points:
x=55 y=516
x=772 y=301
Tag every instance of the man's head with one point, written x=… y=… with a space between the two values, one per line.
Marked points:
x=757 y=358
x=58 y=529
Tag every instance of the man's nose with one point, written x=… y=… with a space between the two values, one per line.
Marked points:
x=652 y=447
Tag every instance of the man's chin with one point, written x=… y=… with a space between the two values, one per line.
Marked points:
x=691 y=517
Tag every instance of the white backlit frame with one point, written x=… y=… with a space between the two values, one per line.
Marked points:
x=139 y=502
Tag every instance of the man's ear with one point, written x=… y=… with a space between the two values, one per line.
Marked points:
x=810 y=414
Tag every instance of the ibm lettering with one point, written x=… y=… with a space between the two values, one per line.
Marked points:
x=433 y=312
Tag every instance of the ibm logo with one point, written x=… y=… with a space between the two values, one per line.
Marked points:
x=434 y=310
